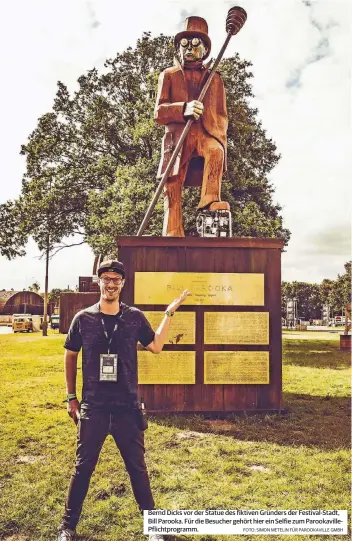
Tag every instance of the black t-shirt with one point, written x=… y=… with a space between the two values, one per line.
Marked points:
x=87 y=332
x=110 y=322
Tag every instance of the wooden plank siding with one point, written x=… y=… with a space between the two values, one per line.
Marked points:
x=71 y=303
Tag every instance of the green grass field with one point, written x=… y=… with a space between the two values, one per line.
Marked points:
x=297 y=460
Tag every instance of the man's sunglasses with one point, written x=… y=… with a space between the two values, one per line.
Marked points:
x=193 y=41
x=115 y=281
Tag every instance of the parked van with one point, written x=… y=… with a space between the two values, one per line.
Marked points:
x=55 y=321
x=22 y=323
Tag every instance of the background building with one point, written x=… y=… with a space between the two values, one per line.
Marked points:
x=21 y=302
x=86 y=285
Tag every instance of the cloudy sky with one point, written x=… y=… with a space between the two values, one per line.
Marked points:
x=300 y=52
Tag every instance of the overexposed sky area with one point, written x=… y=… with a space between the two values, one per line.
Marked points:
x=300 y=52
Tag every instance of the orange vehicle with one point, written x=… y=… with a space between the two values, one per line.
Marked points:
x=22 y=323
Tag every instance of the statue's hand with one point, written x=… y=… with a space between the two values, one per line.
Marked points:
x=194 y=108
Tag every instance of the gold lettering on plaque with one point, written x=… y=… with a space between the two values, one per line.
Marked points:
x=170 y=367
x=207 y=288
x=236 y=328
x=236 y=367
x=182 y=328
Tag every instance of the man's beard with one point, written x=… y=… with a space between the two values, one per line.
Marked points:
x=111 y=297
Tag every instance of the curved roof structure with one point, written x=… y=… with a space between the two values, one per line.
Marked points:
x=19 y=302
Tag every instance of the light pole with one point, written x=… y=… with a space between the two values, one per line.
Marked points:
x=294 y=311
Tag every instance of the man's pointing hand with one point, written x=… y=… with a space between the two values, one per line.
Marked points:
x=176 y=303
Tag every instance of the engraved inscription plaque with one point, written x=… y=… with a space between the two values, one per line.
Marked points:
x=224 y=289
x=236 y=367
x=236 y=328
x=169 y=367
x=182 y=328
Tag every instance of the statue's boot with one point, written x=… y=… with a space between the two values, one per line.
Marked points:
x=172 y=226
x=219 y=205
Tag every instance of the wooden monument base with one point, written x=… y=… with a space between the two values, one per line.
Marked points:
x=224 y=350
x=345 y=342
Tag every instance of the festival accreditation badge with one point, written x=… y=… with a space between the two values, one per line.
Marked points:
x=108 y=367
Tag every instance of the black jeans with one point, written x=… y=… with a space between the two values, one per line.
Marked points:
x=94 y=426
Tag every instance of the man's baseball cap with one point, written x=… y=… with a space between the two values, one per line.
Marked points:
x=111 y=265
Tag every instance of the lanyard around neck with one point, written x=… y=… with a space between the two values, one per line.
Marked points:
x=106 y=333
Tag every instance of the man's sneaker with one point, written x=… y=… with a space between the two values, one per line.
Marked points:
x=66 y=535
x=156 y=537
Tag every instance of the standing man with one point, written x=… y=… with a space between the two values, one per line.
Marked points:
x=202 y=158
x=108 y=333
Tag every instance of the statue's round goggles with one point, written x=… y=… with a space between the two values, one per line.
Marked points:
x=192 y=41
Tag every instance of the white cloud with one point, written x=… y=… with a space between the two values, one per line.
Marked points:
x=300 y=53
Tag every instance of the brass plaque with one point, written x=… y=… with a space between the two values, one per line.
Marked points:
x=236 y=328
x=207 y=288
x=169 y=367
x=236 y=367
x=182 y=328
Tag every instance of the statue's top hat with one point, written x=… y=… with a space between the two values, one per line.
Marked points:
x=197 y=27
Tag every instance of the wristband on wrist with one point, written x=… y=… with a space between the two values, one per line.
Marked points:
x=168 y=313
x=71 y=396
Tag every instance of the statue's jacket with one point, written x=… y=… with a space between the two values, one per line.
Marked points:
x=170 y=103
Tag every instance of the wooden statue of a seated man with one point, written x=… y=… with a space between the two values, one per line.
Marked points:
x=202 y=159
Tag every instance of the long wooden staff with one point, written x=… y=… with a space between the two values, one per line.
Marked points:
x=236 y=18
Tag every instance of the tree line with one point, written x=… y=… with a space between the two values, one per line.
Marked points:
x=53 y=294
x=312 y=297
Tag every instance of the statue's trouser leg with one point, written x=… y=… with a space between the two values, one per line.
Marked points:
x=173 y=187
x=213 y=154
x=172 y=226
